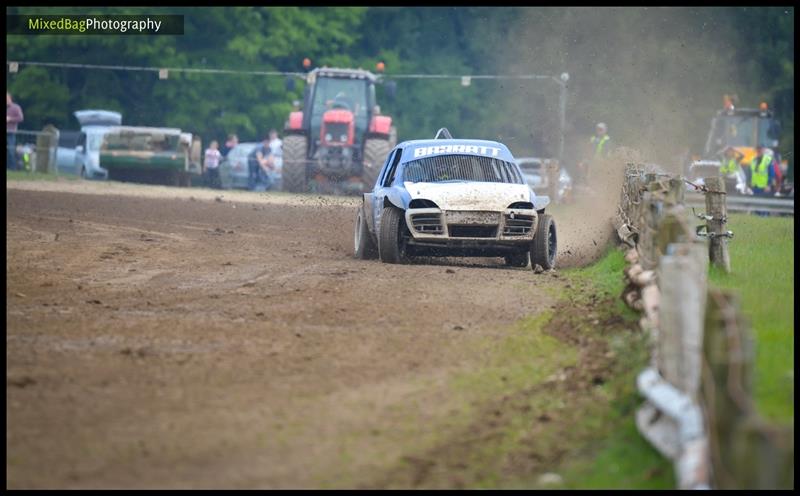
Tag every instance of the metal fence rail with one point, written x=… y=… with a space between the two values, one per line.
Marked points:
x=748 y=204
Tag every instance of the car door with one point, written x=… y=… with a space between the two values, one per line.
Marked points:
x=369 y=198
x=385 y=180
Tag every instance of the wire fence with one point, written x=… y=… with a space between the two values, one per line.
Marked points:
x=698 y=410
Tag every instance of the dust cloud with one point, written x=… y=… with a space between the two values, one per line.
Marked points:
x=655 y=76
x=584 y=226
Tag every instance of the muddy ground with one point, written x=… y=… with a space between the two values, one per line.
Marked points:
x=159 y=337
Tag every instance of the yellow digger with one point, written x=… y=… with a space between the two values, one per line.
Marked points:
x=742 y=129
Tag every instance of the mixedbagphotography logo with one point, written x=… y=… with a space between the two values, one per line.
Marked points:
x=94 y=24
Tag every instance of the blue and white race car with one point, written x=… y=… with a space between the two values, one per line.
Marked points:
x=454 y=197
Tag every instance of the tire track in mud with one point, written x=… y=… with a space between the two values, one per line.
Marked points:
x=233 y=345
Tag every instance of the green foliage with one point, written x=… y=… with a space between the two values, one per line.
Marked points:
x=655 y=75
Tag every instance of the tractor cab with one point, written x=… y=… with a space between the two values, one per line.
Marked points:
x=742 y=129
x=337 y=112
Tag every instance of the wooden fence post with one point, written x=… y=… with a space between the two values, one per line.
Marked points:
x=46 y=149
x=683 y=279
x=717 y=209
x=677 y=191
x=745 y=452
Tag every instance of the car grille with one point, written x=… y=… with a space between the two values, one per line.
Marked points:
x=457 y=231
x=520 y=225
x=429 y=223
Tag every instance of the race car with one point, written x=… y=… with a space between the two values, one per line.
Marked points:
x=454 y=197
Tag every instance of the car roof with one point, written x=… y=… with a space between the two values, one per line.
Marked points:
x=91 y=117
x=415 y=149
x=243 y=147
x=170 y=131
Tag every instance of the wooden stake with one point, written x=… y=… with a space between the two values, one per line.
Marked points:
x=717 y=208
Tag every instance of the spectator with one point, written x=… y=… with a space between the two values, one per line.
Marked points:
x=596 y=149
x=232 y=141
x=762 y=175
x=731 y=167
x=212 y=165
x=13 y=118
x=600 y=141
x=276 y=149
x=777 y=170
x=260 y=163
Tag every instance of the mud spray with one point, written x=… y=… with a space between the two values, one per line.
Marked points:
x=585 y=230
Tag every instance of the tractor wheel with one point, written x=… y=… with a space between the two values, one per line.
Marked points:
x=393 y=238
x=294 y=163
x=375 y=152
x=543 y=250
x=517 y=260
x=365 y=248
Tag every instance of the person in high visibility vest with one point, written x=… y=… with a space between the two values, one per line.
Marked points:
x=600 y=141
x=597 y=149
x=730 y=168
x=26 y=158
x=731 y=161
x=762 y=174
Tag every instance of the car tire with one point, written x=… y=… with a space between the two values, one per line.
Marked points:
x=294 y=163
x=375 y=152
x=517 y=259
x=392 y=240
x=545 y=243
x=365 y=248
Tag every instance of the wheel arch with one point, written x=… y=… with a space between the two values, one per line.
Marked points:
x=397 y=198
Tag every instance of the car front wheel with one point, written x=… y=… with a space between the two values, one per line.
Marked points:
x=545 y=243
x=394 y=235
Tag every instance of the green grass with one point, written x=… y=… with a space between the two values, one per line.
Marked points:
x=591 y=437
x=762 y=262
x=38 y=176
x=619 y=458
x=762 y=274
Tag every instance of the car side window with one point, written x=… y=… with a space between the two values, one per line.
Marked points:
x=387 y=180
x=386 y=167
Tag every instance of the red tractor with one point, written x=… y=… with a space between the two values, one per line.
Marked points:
x=339 y=141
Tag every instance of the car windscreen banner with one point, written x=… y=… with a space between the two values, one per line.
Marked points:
x=441 y=168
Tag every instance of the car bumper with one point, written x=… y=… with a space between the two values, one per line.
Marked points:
x=510 y=228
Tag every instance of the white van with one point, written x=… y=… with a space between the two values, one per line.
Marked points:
x=94 y=125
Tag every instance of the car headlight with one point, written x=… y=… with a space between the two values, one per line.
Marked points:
x=328 y=137
x=343 y=137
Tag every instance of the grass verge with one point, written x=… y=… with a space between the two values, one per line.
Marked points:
x=557 y=395
x=38 y=176
x=618 y=456
x=762 y=273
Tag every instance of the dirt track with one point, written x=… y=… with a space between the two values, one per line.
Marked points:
x=188 y=342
